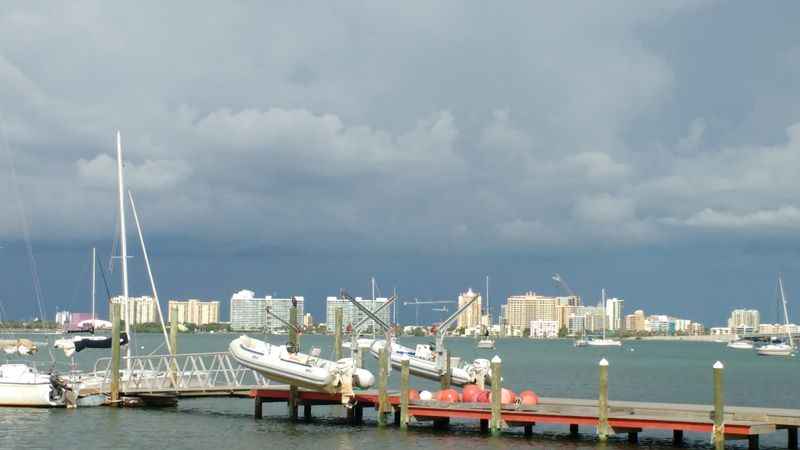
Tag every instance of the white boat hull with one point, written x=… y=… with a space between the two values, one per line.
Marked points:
x=22 y=385
x=275 y=363
x=604 y=343
x=486 y=344
x=740 y=345
x=429 y=368
x=775 y=350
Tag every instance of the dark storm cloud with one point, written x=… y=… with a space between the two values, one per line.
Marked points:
x=408 y=126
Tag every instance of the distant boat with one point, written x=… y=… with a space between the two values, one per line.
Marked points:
x=581 y=342
x=486 y=343
x=604 y=341
x=780 y=348
x=740 y=345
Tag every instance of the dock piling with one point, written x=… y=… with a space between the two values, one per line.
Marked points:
x=791 y=438
x=497 y=390
x=404 y=374
x=446 y=373
x=307 y=411
x=603 y=429
x=337 y=336
x=115 y=353
x=258 y=413
x=383 y=384
x=718 y=433
x=677 y=437
x=574 y=429
x=294 y=343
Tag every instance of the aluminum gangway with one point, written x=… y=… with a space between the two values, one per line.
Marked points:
x=182 y=375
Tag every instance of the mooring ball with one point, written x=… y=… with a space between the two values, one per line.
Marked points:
x=470 y=393
x=507 y=396
x=483 y=397
x=529 y=397
x=447 y=395
x=425 y=395
x=413 y=394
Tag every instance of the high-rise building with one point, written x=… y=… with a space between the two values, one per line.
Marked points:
x=635 y=321
x=351 y=315
x=196 y=312
x=142 y=309
x=522 y=309
x=544 y=329
x=250 y=313
x=744 y=320
x=614 y=317
x=471 y=317
x=308 y=320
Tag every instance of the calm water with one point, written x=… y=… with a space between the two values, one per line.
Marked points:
x=647 y=371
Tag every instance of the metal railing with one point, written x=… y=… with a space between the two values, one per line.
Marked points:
x=184 y=373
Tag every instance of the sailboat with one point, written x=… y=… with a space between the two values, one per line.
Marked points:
x=780 y=348
x=604 y=342
x=485 y=341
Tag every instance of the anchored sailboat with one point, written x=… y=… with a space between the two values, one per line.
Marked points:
x=780 y=348
x=604 y=342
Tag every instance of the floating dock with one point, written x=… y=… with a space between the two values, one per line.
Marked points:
x=631 y=418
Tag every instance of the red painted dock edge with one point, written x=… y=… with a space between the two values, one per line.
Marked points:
x=514 y=417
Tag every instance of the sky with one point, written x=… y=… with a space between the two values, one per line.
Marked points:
x=296 y=148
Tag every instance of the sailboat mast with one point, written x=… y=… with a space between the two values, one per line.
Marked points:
x=372 y=280
x=785 y=310
x=124 y=251
x=94 y=275
x=487 y=299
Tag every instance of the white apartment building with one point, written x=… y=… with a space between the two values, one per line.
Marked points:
x=351 y=315
x=193 y=311
x=142 y=309
x=249 y=312
x=544 y=329
x=744 y=320
x=471 y=317
x=614 y=315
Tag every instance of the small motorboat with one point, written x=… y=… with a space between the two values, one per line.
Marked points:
x=423 y=363
x=740 y=344
x=277 y=363
x=364 y=343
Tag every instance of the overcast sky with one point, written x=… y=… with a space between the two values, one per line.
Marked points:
x=652 y=148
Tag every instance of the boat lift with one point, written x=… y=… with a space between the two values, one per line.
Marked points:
x=371 y=315
x=443 y=356
x=289 y=326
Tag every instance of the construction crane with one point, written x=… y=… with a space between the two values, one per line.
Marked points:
x=563 y=283
x=417 y=303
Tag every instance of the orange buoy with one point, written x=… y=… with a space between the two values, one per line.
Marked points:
x=413 y=394
x=470 y=393
x=448 y=396
x=507 y=396
x=529 y=397
x=483 y=397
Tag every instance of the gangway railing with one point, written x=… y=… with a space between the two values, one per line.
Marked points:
x=190 y=373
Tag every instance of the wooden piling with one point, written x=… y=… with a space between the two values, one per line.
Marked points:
x=791 y=438
x=383 y=385
x=173 y=343
x=497 y=390
x=677 y=437
x=718 y=435
x=307 y=411
x=446 y=374
x=294 y=343
x=752 y=442
x=574 y=429
x=404 y=375
x=337 y=334
x=115 y=352
x=258 y=413
x=602 y=404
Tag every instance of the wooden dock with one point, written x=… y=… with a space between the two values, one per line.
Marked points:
x=630 y=418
